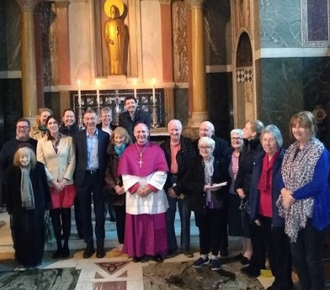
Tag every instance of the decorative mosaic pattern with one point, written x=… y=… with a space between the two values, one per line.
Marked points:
x=244 y=75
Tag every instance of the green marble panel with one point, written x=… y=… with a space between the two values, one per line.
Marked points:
x=220 y=102
x=282 y=93
x=52 y=101
x=216 y=25
x=280 y=23
x=181 y=106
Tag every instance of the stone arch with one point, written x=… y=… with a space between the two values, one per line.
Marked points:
x=244 y=81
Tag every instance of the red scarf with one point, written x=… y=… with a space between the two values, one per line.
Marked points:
x=267 y=167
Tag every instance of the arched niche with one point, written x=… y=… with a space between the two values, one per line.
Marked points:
x=245 y=109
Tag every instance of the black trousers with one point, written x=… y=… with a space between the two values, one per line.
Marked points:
x=209 y=231
x=120 y=211
x=77 y=216
x=61 y=220
x=307 y=255
x=278 y=252
x=258 y=258
x=92 y=188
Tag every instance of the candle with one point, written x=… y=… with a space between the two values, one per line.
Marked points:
x=79 y=93
x=153 y=91
x=134 y=82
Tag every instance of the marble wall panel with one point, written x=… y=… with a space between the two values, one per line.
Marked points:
x=317 y=92
x=80 y=41
x=220 y=102
x=216 y=24
x=280 y=23
x=11 y=107
x=282 y=92
x=10 y=44
x=181 y=105
x=151 y=41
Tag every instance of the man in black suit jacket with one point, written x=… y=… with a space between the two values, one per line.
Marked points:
x=91 y=158
x=133 y=116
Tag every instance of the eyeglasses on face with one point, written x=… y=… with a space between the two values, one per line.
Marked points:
x=204 y=147
x=236 y=138
x=23 y=127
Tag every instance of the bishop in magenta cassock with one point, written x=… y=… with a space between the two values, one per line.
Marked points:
x=144 y=169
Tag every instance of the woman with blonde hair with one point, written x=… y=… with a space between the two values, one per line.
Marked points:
x=39 y=128
x=305 y=200
x=114 y=184
x=28 y=198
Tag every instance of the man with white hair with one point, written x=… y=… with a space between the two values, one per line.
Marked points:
x=206 y=129
x=178 y=152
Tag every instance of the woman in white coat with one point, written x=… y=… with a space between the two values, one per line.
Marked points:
x=56 y=152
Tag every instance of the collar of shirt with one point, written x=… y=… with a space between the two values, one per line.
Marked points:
x=96 y=133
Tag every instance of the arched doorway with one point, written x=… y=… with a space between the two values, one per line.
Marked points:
x=245 y=97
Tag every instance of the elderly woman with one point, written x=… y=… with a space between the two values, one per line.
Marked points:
x=305 y=200
x=56 y=152
x=263 y=210
x=202 y=179
x=28 y=198
x=114 y=183
x=251 y=135
x=234 y=201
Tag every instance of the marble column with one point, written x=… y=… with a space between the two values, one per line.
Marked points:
x=198 y=77
x=63 y=45
x=29 y=75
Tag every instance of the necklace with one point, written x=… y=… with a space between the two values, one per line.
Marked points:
x=141 y=152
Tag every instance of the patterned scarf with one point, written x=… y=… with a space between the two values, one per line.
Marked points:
x=297 y=171
x=27 y=196
x=208 y=173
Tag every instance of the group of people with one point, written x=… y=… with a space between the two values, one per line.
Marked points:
x=276 y=200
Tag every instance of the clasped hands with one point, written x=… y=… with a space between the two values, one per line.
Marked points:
x=59 y=185
x=143 y=192
x=287 y=199
x=119 y=189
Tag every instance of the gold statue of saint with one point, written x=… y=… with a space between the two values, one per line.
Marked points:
x=116 y=37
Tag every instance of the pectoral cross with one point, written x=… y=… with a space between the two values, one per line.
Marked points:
x=140 y=162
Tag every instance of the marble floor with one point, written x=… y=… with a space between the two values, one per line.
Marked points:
x=117 y=271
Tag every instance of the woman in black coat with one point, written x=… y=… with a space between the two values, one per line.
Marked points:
x=28 y=198
x=202 y=180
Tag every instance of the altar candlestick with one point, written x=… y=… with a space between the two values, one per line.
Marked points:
x=153 y=91
x=134 y=82
x=79 y=93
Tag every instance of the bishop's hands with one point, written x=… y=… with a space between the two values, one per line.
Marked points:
x=287 y=199
x=143 y=192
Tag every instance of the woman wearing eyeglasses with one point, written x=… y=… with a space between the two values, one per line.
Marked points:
x=202 y=180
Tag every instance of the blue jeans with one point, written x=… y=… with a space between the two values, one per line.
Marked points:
x=184 y=212
x=307 y=256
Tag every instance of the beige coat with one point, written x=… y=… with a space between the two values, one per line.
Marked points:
x=60 y=165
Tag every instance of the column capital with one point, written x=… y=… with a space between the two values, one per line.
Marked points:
x=165 y=1
x=27 y=5
x=62 y=3
x=195 y=3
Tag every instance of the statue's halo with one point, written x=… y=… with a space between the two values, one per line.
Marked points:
x=119 y=4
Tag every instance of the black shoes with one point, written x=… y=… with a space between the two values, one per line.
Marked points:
x=158 y=259
x=57 y=254
x=100 y=253
x=137 y=259
x=89 y=251
x=251 y=271
x=188 y=253
x=65 y=252
x=245 y=261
